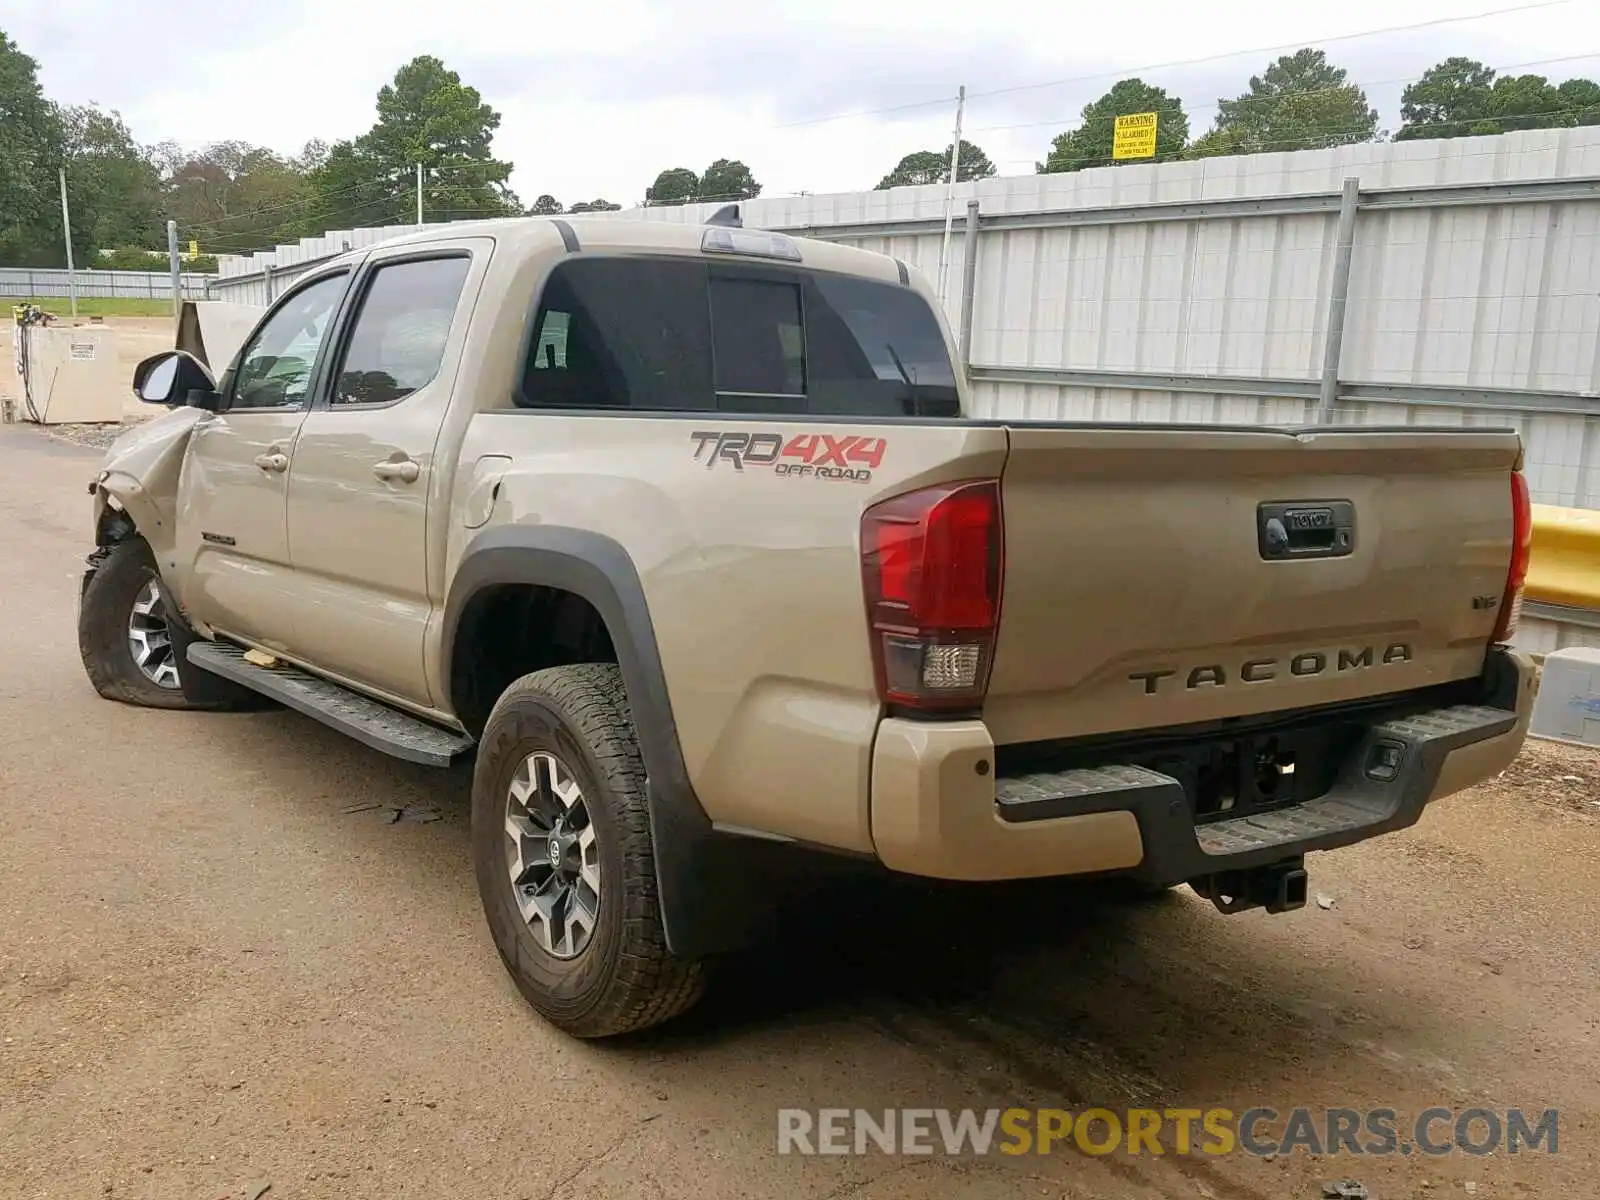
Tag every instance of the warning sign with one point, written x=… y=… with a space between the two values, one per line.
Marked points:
x=81 y=351
x=1135 y=136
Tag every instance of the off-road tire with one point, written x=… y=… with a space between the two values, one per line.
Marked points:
x=625 y=978
x=120 y=572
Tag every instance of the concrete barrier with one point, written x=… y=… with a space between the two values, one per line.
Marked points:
x=1565 y=568
x=1561 y=601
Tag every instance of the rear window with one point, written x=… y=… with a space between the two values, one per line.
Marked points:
x=670 y=335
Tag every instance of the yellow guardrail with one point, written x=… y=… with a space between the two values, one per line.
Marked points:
x=1565 y=566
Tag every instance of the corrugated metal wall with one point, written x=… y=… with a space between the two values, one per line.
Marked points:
x=24 y=283
x=1475 y=304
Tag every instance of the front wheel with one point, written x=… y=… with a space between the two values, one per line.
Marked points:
x=124 y=630
x=562 y=851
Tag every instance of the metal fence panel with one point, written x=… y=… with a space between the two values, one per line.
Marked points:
x=1202 y=291
x=23 y=283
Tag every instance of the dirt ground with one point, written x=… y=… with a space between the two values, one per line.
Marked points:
x=212 y=978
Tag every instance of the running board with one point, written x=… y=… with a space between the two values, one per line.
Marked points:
x=368 y=721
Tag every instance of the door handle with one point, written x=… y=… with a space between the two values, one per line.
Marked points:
x=274 y=460
x=404 y=470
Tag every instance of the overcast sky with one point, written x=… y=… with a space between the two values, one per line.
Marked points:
x=597 y=97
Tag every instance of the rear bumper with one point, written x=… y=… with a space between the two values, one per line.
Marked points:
x=938 y=810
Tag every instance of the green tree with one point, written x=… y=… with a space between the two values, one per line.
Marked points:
x=1519 y=102
x=918 y=167
x=545 y=206
x=675 y=185
x=113 y=183
x=351 y=187
x=594 y=206
x=1463 y=98
x=1300 y=102
x=30 y=136
x=312 y=155
x=233 y=197
x=1581 y=98
x=728 y=180
x=1447 y=101
x=1090 y=144
x=931 y=166
x=428 y=116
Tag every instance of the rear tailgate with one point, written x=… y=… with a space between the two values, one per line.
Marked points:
x=1141 y=591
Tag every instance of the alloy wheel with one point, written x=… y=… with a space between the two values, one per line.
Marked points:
x=150 y=637
x=552 y=857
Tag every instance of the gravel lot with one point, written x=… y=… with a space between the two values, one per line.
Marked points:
x=212 y=977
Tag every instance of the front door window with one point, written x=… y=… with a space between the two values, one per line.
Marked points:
x=275 y=368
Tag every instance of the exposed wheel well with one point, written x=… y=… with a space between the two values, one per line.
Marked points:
x=115 y=525
x=508 y=630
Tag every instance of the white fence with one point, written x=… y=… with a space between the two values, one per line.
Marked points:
x=23 y=283
x=1216 y=291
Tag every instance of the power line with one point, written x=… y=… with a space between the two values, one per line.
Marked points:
x=310 y=199
x=1123 y=72
x=1278 y=49
x=870 y=112
x=1083 y=122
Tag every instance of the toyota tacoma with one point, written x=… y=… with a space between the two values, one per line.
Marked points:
x=684 y=533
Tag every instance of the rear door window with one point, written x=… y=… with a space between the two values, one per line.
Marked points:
x=678 y=335
x=399 y=336
x=621 y=333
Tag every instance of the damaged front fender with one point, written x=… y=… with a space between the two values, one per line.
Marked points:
x=138 y=481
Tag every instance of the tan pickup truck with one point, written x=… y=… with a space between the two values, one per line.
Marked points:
x=683 y=532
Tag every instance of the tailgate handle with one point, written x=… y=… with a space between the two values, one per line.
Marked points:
x=1296 y=529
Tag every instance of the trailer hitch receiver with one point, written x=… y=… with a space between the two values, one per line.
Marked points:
x=1277 y=887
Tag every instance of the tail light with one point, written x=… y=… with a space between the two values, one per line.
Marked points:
x=1521 y=550
x=931 y=566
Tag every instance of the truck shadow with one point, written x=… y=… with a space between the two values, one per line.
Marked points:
x=1075 y=990
x=1083 y=992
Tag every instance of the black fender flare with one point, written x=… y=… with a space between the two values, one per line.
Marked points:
x=706 y=884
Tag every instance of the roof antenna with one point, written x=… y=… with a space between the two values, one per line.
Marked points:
x=727 y=215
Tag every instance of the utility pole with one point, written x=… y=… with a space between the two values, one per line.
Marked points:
x=950 y=191
x=177 y=278
x=419 y=193
x=1338 y=296
x=66 y=229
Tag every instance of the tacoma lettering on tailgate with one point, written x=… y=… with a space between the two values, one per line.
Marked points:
x=1261 y=670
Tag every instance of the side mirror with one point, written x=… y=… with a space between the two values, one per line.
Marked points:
x=169 y=378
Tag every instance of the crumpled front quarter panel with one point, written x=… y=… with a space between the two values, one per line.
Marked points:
x=140 y=472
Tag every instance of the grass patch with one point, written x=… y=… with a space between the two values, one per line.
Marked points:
x=96 y=306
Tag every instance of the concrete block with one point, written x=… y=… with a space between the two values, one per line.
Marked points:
x=1568 y=706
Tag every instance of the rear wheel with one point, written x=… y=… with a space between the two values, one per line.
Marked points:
x=562 y=851
x=124 y=630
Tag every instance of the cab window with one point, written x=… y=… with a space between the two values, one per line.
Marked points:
x=685 y=335
x=275 y=367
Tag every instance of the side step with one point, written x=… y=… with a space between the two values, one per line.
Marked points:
x=369 y=721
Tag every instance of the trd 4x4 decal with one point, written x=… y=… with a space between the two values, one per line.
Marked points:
x=802 y=455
